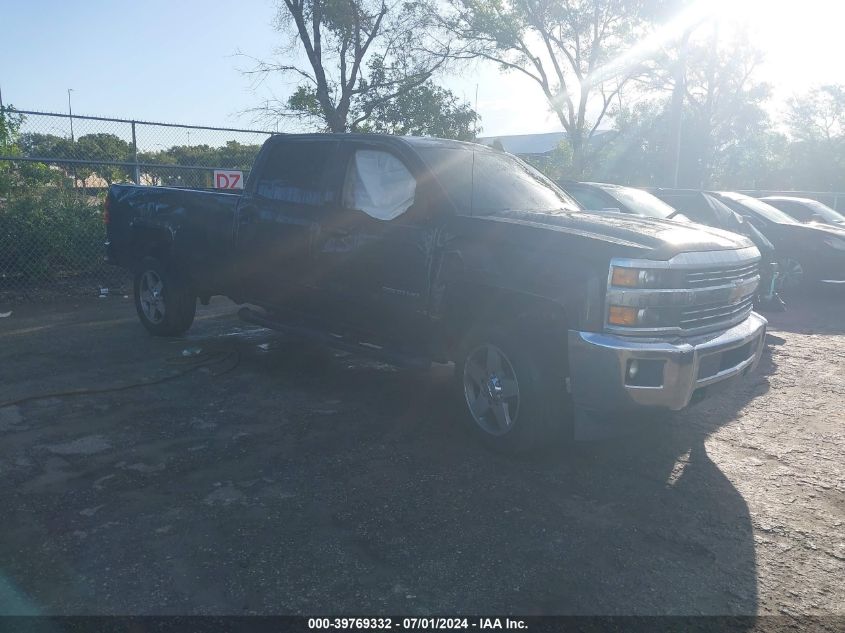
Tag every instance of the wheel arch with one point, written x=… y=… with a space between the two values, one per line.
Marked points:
x=150 y=241
x=474 y=307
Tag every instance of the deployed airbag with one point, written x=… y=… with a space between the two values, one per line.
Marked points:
x=379 y=185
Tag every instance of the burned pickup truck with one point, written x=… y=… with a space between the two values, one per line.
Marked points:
x=424 y=250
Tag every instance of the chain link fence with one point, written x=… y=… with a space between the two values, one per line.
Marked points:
x=54 y=172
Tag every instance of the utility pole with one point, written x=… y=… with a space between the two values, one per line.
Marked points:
x=676 y=114
x=476 y=110
x=70 y=113
x=72 y=140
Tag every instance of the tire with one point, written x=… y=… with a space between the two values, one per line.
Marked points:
x=513 y=391
x=165 y=304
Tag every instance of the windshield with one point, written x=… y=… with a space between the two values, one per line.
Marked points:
x=640 y=202
x=758 y=207
x=820 y=209
x=485 y=183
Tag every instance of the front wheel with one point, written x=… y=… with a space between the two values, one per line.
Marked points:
x=165 y=304
x=514 y=392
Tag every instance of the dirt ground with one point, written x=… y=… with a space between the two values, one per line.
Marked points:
x=273 y=478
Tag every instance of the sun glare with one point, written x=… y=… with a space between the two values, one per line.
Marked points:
x=688 y=20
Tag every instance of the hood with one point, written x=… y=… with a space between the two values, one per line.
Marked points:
x=664 y=238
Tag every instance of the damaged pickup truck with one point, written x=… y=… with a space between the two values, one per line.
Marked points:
x=423 y=250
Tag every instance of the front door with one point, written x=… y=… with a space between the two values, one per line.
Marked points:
x=375 y=247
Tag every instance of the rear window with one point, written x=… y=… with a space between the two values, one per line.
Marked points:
x=295 y=173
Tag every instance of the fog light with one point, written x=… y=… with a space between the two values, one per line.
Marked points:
x=644 y=373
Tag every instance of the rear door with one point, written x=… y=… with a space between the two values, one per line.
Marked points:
x=278 y=218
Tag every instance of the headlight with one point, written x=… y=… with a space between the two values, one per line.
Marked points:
x=635 y=277
x=835 y=242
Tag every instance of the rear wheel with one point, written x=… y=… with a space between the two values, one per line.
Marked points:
x=514 y=393
x=165 y=304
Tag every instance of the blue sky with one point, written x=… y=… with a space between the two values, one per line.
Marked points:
x=155 y=59
x=176 y=61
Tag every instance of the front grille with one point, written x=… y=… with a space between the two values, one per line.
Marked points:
x=720 y=276
x=702 y=316
x=698 y=293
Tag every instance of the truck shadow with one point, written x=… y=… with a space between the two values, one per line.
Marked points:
x=641 y=523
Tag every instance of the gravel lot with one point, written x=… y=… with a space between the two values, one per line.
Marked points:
x=272 y=478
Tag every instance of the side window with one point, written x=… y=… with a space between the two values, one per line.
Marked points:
x=591 y=200
x=378 y=184
x=695 y=208
x=294 y=173
x=796 y=210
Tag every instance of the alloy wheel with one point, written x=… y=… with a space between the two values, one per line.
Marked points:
x=152 y=297
x=491 y=389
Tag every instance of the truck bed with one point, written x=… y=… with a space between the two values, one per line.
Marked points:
x=194 y=227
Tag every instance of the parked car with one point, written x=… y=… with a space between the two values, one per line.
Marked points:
x=806 y=210
x=599 y=196
x=705 y=208
x=420 y=250
x=806 y=253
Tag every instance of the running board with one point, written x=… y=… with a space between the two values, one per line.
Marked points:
x=335 y=341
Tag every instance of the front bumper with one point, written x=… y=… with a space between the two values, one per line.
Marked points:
x=599 y=366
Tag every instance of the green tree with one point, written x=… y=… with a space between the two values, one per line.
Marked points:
x=557 y=165
x=427 y=110
x=38 y=145
x=727 y=136
x=157 y=167
x=167 y=166
x=725 y=121
x=816 y=125
x=101 y=149
x=360 y=55
x=235 y=155
x=10 y=123
x=571 y=49
x=818 y=115
x=17 y=177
